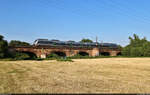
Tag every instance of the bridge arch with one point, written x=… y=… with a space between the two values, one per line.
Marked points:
x=31 y=54
x=104 y=53
x=59 y=53
x=83 y=53
x=119 y=54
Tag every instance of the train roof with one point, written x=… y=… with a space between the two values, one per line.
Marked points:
x=42 y=39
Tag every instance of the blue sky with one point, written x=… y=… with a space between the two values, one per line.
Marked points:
x=112 y=21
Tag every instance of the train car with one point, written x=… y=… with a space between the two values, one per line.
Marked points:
x=53 y=42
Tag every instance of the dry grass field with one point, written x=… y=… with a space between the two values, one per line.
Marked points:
x=104 y=75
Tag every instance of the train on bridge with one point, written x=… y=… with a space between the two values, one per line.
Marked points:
x=46 y=42
x=43 y=47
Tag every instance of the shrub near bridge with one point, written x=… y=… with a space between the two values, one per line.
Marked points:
x=79 y=56
x=65 y=59
x=21 y=56
x=52 y=56
x=58 y=58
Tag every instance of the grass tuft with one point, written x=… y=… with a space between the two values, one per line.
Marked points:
x=65 y=59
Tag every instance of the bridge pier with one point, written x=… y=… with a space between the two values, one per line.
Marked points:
x=43 y=56
x=40 y=55
x=113 y=53
x=95 y=52
x=70 y=53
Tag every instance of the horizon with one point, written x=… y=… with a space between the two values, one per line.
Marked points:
x=112 y=21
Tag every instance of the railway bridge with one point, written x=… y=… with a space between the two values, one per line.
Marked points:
x=43 y=51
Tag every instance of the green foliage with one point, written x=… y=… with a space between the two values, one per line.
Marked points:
x=21 y=56
x=39 y=59
x=79 y=56
x=52 y=55
x=18 y=43
x=8 y=59
x=137 y=47
x=136 y=51
x=1 y=37
x=5 y=53
x=126 y=51
x=65 y=59
x=136 y=41
x=86 y=41
x=3 y=47
x=146 y=49
x=120 y=47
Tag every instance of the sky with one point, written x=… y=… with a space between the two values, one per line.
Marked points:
x=112 y=21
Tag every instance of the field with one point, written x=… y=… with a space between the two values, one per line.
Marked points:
x=103 y=75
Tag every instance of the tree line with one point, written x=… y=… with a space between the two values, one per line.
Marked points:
x=5 y=53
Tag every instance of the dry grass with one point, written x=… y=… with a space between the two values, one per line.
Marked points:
x=105 y=75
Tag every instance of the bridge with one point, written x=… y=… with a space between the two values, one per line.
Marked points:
x=43 y=51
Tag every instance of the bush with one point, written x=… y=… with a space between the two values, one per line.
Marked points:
x=52 y=55
x=65 y=59
x=39 y=59
x=79 y=56
x=21 y=56
x=8 y=59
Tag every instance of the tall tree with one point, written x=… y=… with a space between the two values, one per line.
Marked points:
x=1 y=37
x=137 y=47
x=3 y=47
x=86 y=41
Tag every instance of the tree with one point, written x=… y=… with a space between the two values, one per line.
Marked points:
x=136 y=41
x=136 y=51
x=120 y=47
x=86 y=41
x=1 y=37
x=18 y=43
x=126 y=51
x=3 y=47
x=137 y=47
x=146 y=49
